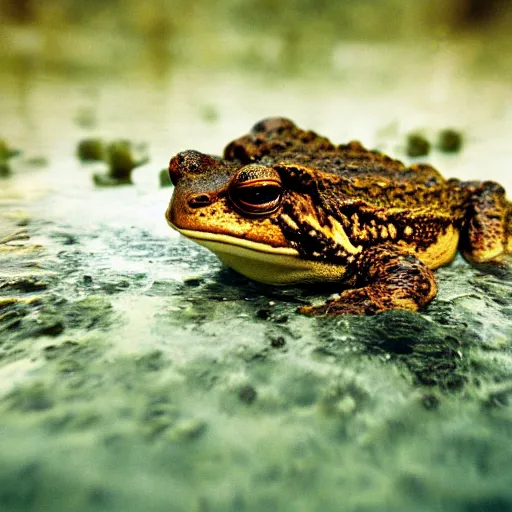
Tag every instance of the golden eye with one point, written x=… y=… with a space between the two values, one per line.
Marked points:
x=256 y=190
x=257 y=198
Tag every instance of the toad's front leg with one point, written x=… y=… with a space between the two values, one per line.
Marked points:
x=385 y=279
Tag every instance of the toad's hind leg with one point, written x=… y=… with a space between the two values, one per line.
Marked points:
x=486 y=236
x=387 y=279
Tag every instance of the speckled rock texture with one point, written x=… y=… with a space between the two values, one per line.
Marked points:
x=130 y=390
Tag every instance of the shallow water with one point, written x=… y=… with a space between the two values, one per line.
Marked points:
x=147 y=377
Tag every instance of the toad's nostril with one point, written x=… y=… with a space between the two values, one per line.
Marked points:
x=199 y=200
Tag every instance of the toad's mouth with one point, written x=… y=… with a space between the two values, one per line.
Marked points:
x=262 y=262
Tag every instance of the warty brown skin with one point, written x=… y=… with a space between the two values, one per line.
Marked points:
x=386 y=224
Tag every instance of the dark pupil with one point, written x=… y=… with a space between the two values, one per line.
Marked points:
x=258 y=195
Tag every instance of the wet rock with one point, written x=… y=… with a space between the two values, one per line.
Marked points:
x=117 y=396
x=398 y=332
x=193 y=281
x=52 y=352
x=12 y=310
x=32 y=398
x=45 y=324
x=55 y=314
x=152 y=362
x=115 y=287
x=263 y=314
x=22 y=220
x=24 y=284
x=93 y=311
x=430 y=351
x=70 y=240
x=71 y=361
x=69 y=366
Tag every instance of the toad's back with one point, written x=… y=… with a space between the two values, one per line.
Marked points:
x=281 y=141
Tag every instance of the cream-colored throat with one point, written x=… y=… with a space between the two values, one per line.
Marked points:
x=264 y=263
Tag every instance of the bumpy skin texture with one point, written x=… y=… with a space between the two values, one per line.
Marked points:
x=387 y=224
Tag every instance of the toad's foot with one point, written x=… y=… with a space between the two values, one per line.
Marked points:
x=388 y=280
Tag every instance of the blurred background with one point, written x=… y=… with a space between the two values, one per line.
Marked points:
x=164 y=71
x=201 y=50
x=177 y=74
x=290 y=35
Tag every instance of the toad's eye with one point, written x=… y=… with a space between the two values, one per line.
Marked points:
x=257 y=198
x=256 y=191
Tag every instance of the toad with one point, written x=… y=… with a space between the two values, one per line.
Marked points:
x=287 y=206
